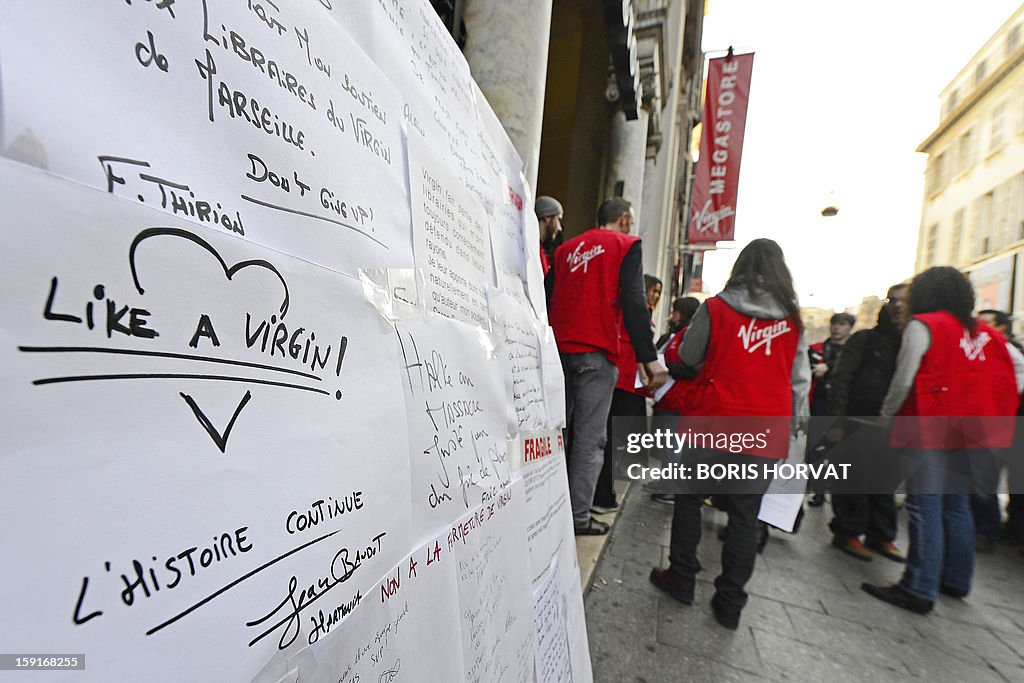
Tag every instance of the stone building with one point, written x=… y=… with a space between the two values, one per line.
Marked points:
x=973 y=213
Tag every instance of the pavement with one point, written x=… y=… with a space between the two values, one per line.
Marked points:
x=807 y=618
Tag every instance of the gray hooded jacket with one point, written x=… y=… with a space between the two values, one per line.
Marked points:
x=763 y=307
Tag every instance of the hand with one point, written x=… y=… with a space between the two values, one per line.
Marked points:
x=655 y=374
x=819 y=370
x=799 y=423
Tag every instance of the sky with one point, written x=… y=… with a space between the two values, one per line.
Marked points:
x=841 y=95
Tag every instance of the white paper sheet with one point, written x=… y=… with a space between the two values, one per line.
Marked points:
x=782 y=501
x=411 y=45
x=497 y=624
x=456 y=414
x=519 y=350
x=450 y=239
x=187 y=416
x=259 y=119
x=551 y=653
x=404 y=630
x=552 y=542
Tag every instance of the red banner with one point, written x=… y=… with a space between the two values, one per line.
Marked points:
x=716 y=181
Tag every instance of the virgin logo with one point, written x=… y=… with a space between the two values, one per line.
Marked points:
x=580 y=259
x=755 y=337
x=707 y=220
x=974 y=348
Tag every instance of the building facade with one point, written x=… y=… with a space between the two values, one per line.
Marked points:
x=973 y=212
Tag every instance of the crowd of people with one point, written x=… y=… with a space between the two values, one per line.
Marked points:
x=941 y=382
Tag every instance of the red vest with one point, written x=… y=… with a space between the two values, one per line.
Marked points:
x=585 y=312
x=626 y=361
x=545 y=263
x=747 y=372
x=628 y=366
x=965 y=379
x=748 y=366
x=678 y=397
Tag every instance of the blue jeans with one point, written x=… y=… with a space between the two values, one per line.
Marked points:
x=987 y=517
x=941 y=530
x=589 y=382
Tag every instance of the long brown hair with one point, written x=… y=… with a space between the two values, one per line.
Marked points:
x=761 y=266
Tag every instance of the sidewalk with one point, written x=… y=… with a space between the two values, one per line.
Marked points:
x=807 y=619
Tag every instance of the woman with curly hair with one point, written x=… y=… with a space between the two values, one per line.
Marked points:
x=953 y=381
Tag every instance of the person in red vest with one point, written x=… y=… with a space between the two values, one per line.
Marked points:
x=674 y=402
x=749 y=344
x=628 y=400
x=549 y=220
x=595 y=287
x=954 y=379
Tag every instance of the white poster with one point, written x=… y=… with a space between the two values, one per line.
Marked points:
x=406 y=629
x=519 y=350
x=260 y=119
x=540 y=465
x=411 y=45
x=511 y=206
x=456 y=414
x=551 y=653
x=497 y=623
x=258 y=422
x=450 y=239
x=187 y=416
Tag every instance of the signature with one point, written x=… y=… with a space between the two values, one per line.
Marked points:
x=343 y=566
x=391 y=673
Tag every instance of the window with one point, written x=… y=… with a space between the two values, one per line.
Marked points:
x=936 y=173
x=933 y=240
x=965 y=151
x=981 y=223
x=1020 y=111
x=980 y=72
x=1000 y=219
x=997 y=139
x=958 y=235
x=1016 y=210
x=952 y=101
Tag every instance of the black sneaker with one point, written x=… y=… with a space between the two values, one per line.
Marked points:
x=728 y=618
x=664 y=498
x=896 y=595
x=952 y=592
x=665 y=580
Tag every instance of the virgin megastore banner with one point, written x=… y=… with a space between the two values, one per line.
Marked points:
x=713 y=212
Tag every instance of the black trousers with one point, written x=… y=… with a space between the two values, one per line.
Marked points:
x=872 y=515
x=624 y=404
x=739 y=551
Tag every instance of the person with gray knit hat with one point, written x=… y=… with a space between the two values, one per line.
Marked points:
x=549 y=219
